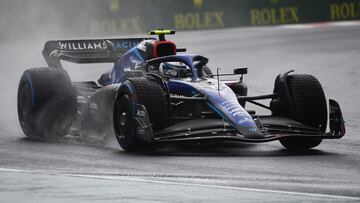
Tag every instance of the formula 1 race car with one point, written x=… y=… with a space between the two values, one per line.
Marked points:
x=153 y=95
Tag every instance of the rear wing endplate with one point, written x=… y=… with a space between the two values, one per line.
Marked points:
x=87 y=51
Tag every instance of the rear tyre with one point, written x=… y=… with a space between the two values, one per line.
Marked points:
x=46 y=103
x=310 y=108
x=133 y=91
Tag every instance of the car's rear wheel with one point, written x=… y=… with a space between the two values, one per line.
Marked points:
x=309 y=108
x=46 y=103
x=144 y=91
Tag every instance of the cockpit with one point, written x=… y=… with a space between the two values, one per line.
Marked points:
x=178 y=67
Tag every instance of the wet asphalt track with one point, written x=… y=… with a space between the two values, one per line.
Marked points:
x=332 y=54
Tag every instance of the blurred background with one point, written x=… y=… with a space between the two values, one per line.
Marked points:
x=34 y=19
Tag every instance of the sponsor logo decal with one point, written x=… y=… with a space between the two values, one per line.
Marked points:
x=93 y=106
x=199 y=20
x=344 y=11
x=140 y=131
x=198 y=3
x=244 y=120
x=98 y=45
x=239 y=114
x=253 y=130
x=114 y=6
x=142 y=46
x=126 y=44
x=274 y=15
x=140 y=113
x=78 y=46
x=124 y=25
x=233 y=109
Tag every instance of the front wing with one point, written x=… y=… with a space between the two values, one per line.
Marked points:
x=216 y=130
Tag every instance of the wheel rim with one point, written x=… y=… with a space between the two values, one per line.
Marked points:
x=124 y=115
x=123 y=119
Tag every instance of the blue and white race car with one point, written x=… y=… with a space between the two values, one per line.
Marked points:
x=154 y=95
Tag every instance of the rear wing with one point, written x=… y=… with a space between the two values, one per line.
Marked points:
x=87 y=51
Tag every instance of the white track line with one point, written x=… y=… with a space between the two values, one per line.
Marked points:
x=121 y=178
x=321 y=25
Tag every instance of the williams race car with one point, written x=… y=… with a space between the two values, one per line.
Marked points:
x=153 y=95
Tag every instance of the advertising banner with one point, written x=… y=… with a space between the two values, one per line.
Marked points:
x=73 y=18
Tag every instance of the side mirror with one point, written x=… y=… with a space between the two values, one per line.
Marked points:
x=240 y=71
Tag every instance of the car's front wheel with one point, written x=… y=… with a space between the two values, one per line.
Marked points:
x=134 y=91
x=309 y=107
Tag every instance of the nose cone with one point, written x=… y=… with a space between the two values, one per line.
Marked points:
x=225 y=103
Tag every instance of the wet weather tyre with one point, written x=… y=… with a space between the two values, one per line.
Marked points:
x=134 y=91
x=46 y=102
x=309 y=108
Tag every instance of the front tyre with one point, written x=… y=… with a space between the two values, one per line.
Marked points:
x=134 y=91
x=309 y=108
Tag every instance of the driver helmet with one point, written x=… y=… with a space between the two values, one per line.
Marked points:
x=174 y=70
